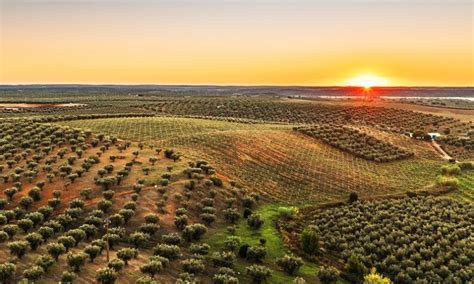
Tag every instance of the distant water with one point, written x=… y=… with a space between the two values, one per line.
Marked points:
x=434 y=98
x=400 y=97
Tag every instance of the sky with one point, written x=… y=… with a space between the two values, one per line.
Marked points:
x=260 y=42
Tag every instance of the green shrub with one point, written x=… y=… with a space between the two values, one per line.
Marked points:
x=466 y=166
x=328 y=275
x=287 y=212
x=258 y=273
x=194 y=266
x=126 y=254
x=7 y=270
x=355 y=269
x=255 y=221
x=68 y=277
x=448 y=181
x=76 y=260
x=151 y=267
x=116 y=264
x=18 y=248
x=451 y=170
x=290 y=264
x=194 y=232
x=256 y=253
x=171 y=252
x=33 y=273
x=309 y=240
x=106 y=275
x=92 y=251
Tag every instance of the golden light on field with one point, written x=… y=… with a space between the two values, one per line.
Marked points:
x=367 y=81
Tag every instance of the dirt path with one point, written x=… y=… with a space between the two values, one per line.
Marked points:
x=440 y=150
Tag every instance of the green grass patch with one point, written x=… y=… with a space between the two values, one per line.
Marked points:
x=466 y=185
x=275 y=246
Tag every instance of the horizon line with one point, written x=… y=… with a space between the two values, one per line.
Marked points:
x=228 y=85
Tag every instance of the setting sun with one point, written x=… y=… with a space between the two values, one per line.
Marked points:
x=367 y=81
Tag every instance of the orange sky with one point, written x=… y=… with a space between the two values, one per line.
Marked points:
x=237 y=42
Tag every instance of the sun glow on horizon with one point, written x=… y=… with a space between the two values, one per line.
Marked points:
x=210 y=42
x=367 y=81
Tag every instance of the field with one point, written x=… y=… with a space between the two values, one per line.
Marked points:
x=192 y=186
x=443 y=103
x=272 y=159
x=406 y=239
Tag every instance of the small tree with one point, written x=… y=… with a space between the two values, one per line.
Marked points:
x=309 y=240
x=45 y=261
x=208 y=218
x=116 y=220
x=256 y=253
x=231 y=215
x=199 y=249
x=72 y=177
x=194 y=232
x=255 y=221
x=113 y=240
x=232 y=243
x=77 y=234
x=225 y=276
x=353 y=197
x=18 y=248
x=55 y=249
x=7 y=269
x=33 y=273
x=46 y=232
x=104 y=205
x=76 y=260
x=149 y=229
x=355 y=268
x=35 y=193
x=171 y=252
x=290 y=264
x=151 y=268
x=181 y=221
x=106 y=276
x=34 y=239
x=258 y=273
x=68 y=277
x=127 y=214
x=10 y=192
x=328 y=275
x=223 y=259
x=86 y=193
x=3 y=236
x=194 y=266
x=92 y=251
x=26 y=202
x=11 y=230
x=152 y=160
x=152 y=218
x=25 y=224
x=126 y=254
x=138 y=239
x=116 y=264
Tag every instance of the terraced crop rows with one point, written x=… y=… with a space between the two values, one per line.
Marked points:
x=467 y=185
x=155 y=129
x=271 y=159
